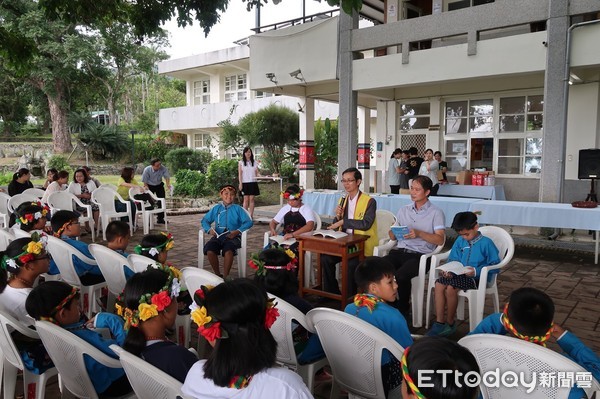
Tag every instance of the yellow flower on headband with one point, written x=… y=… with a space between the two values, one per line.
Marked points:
x=147 y=311
x=290 y=253
x=170 y=245
x=200 y=316
x=176 y=272
x=35 y=247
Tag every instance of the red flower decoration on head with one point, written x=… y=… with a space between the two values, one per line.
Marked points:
x=200 y=293
x=211 y=333
x=29 y=217
x=161 y=300
x=252 y=265
x=26 y=258
x=270 y=316
x=286 y=195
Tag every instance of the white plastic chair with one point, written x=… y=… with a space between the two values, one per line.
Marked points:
x=354 y=348
x=111 y=265
x=34 y=384
x=62 y=254
x=146 y=380
x=497 y=352
x=385 y=219
x=195 y=278
x=5 y=238
x=147 y=220
x=4 y=212
x=241 y=252
x=67 y=352
x=38 y=192
x=105 y=198
x=21 y=233
x=16 y=200
x=108 y=185
x=282 y=331
x=63 y=201
x=139 y=263
x=417 y=291
x=309 y=271
x=476 y=298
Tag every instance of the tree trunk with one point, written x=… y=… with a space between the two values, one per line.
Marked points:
x=61 y=136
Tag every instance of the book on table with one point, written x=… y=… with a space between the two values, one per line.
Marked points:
x=330 y=233
x=454 y=267
x=399 y=232
x=282 y=241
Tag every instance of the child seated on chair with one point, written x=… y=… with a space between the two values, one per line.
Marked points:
x=117 y=239
x=58 y=302
x=149 y=308
x=437 y=354
x=275 y=273
x=474 y=251
x=31 y=217
x=230 y=222
x=529 y=315
x=377 y=286
x=65 y=225
x=156 y=247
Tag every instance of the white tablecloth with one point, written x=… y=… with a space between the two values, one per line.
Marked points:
x=481 y=192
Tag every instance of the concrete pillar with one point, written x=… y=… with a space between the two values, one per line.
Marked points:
x=554 y=102
x=347 y=129
x=307 y=144
x=364 y=146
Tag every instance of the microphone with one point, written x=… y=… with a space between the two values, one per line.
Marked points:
x=342 y=199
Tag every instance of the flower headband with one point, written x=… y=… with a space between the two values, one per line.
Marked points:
x=292 y=196
x=210 y=327
x=153 y=251
x=151 y=303
x=536 y=339
x=62 y=228
x=409 y=381
x=260 y=266
x=32 y=217
x=34 y=247
x=61 y=305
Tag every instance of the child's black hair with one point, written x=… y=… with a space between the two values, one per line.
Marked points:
x=150 y=241
x=372 y=270
x=116 y=228
x=15 y=248
x=43 y=299
x=530 y=311
x=25 y=208
x=279 y=282
x=59 y=218
x=464 y=221
x=436 y=353
x=148 y=282
x=240 y=305
x=293 y=189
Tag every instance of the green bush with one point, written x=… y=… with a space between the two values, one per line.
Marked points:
x=148 y=148
x=59 y=163
x=105 y=142
x=288 y=170
x=221 y=172
x=187 y=158
x=190 y=183
x=5 y=178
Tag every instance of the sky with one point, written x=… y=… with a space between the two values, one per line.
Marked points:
x=235 y=24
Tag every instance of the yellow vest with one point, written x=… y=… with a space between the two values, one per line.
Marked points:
x=359 y=214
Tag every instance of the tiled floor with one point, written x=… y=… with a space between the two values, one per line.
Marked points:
x=571 y=279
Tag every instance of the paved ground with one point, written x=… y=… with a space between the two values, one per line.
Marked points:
x=570 y=278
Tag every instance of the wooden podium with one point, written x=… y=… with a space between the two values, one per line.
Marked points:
x=351 y=246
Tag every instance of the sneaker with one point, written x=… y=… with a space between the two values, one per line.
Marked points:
x=436 y=329
x=449 y=330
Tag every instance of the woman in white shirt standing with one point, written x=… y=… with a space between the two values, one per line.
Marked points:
x=429 y=168
x=247 y=172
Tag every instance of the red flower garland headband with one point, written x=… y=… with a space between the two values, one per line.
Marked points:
x=153 y=251
x=210 y=327
x=34 y=217
x=34 y=247
x=260 y=266
x=151 y=303
x=291 y=196
x=536 y=339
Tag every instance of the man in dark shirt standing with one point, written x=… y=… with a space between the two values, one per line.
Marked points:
x=414 y=163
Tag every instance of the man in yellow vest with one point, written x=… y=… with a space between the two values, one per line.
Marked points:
x=355 y=214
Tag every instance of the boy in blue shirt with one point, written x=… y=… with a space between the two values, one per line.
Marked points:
x=65 y=225
x=377 y=286
x=528 y=315
x=230 y=221
x=474 y=251
x=117 y=239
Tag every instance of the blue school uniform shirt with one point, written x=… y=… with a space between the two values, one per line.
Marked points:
x=477 y=253
x=81 y=268
x=226 y=218
x=572 y=346
x=102 y=377
x=386 y=318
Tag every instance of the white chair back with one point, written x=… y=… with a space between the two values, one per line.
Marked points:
x=105 y=198
x=111 y=264
x=4 y=212
x=108 y=185
x=146 y=380
x=385 y=219
x=21 y=233
x=139 y=263
x=195 y=278
x=506 y=354
x=354 y=348
x=16 y=200
x=67 y=352
x=160 y=207
x=5 y=238
x=38 y=192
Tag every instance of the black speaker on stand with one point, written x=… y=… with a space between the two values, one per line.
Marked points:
x=589 y=168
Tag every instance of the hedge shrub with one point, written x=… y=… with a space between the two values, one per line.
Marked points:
x=221 y=172
x=190 y=183
x=187 y=158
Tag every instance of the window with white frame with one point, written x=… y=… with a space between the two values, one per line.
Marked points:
x=202 y=140
x=202 y=92
x=502 y=133
x=263 y=94
x=458 y=4
x=414 y=117
x=235 y=88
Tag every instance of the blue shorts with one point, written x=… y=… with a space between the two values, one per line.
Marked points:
x=223 y=244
